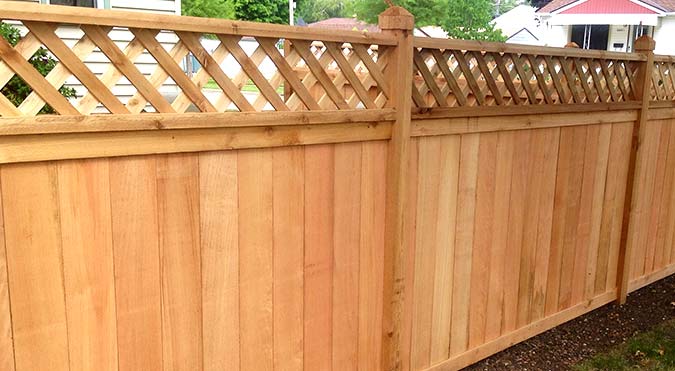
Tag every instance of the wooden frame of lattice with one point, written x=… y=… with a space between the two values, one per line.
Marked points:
x=321 y=71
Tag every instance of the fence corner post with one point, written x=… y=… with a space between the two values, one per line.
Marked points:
x=399 y=24
x=643 y=45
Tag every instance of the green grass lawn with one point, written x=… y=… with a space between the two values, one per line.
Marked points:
x=249 y=87
x=653 y=350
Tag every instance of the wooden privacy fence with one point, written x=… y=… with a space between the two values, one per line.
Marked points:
x=380 y=202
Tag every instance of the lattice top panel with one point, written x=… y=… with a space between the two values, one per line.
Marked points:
x=122 y=62
x=455 y=73
x=663 y=79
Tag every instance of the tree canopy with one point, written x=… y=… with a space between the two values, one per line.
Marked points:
x=316 y=10
x=208 y=8
x=461 y=19
x=269 y=11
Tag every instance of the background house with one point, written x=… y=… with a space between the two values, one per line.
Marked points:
x=520 y=25
x=608 y=24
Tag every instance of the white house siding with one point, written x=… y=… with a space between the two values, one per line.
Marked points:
x=554 y=35
x=618 y=35
x=664 y=36
x=98 y=62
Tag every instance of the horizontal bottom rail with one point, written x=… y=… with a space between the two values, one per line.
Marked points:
x=524 y=333
x=648 y=279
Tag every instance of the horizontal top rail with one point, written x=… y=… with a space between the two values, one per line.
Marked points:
x=21 y=11
x=494 y=47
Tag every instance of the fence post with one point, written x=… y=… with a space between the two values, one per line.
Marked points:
x=644 y=45
x=398 y=23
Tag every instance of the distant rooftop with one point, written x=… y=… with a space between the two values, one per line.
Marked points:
x=665 y=5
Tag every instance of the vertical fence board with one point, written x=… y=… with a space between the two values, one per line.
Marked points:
x=133 y=197
x=318 y=296
x=288 y=174
x=179 y=248
x=427 y=211
x=86 y=232
x=466 y=208
x=559 y=212
x=597 y=208
x=6 y=341
x=256 y=258
x=665 y=202
x=573 y=206
x=549 y=160
x=620 y=153
x=669 y=248
x=220 y=259
x=531 y=209
x=34 y=258
x=583 y=230
x=484 y=224
x=346 y=255
x=515 y=236
x=502 y=195
x=644 y=198
x=410 y=235
x=445 y=247
x=656 y=204
x=371 y=255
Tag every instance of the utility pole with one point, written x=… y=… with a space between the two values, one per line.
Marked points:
x=291 y=11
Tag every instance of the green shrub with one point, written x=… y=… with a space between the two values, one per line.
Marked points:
x=16 y=90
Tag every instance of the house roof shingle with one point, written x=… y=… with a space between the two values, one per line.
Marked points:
x=666 y=5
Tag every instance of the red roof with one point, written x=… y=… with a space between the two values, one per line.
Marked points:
x=608 y=6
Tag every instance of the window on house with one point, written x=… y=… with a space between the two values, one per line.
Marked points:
x=82 y=3
x=591 y=36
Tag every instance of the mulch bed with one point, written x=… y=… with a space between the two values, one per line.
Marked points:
x=590 y=334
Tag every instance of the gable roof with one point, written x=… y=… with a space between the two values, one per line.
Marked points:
x=665 y=5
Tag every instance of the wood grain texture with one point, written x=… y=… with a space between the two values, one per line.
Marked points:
x=6 y=342
x=318 y=296
x=133 y=198
x=289 y=252
x=502 y=195
x=515 y=234
x=347 y=209
x=180 y=259
x=448 y=161
x=371 y=255
x=484 y=225
x=86 y=232
x=464 y=237
x=425 y=254
x=219 y=231
x=256 y=259
x=34 y=258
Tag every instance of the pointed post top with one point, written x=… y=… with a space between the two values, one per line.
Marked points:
x=645 y=43
x=396 y=18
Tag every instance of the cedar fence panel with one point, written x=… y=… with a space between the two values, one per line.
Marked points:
x=376 y=202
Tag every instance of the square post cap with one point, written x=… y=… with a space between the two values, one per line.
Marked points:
x=396 y=18
x=645 y=43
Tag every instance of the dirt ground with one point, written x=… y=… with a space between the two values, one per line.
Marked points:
x=595 y=332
